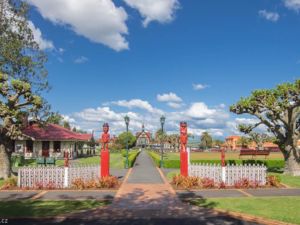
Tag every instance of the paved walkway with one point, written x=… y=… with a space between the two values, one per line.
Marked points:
x=145 y=197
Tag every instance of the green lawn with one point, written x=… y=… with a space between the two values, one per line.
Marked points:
x=29 y=208
x=291 y=181
x=116 y=160
x=284 y=209
x=1 y=182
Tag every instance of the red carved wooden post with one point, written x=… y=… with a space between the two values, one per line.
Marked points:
x=223 y=157
x=104 y=151
x=223 y=164
x=66 y=156
x=183 y=150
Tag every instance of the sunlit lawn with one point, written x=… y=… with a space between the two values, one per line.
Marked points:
x=285 y=209
x=291 y=181
x=116 y=160
x=217 y=155
x=28 y=208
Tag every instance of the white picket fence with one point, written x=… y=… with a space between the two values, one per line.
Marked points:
x=230 y=174
x=54 y=176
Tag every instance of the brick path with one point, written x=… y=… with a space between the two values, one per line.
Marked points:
x=145 y=197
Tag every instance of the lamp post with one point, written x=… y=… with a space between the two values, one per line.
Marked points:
x=127 y=119
x=162 y=122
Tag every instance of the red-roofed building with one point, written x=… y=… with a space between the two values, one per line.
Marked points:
x=50 y=140
x=143 y=138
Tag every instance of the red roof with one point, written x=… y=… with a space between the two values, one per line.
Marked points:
x=53 y=132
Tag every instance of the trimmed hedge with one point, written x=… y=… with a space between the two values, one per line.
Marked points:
x=132 y=155
x=271 y=164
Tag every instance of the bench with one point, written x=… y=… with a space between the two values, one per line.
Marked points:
x=254 y=153
x=40 y=161
x=50 y=161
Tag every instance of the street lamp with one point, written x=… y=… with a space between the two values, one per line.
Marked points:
x=162 y=122
x=127 y=119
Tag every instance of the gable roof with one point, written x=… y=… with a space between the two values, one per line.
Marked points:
x=53 y=132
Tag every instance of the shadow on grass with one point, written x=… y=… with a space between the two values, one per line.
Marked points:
x=141 y=208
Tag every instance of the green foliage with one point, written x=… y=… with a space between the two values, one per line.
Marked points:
x=206 y=140
x=20 y=55
x=244 y=141
x=126 y=137
x=54 y=118
x=66 y=125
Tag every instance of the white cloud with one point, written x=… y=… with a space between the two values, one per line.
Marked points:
x=199 y=110
x=100 y=21
x=292 y=4
x=271 y=16
x=81 y=60
x=174 y=105
x=138 y=103
x=169 y=97
x=198 y=115
x=155 y=10
x=199 y=87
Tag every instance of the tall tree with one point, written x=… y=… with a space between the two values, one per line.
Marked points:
x=55 y=118
x=17 y=102
x=244 y=141
x=20 y=55
x=206 y=140
x=278 y=109
x=66 y=125
x=22 y=77
x=126 y=137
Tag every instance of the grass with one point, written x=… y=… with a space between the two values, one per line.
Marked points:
x=116 y=161
x=291 y=181
x=277 y=208
x=28 y=208
x=217 y=155
x=1 y=182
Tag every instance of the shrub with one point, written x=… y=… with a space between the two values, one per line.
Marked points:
x=108 y=182
x=207 y=183
x=222 y=185
x=78 y=184
x=38 y=185
x=273 y=181
x=9 y=183
x=185 y=182
x=93 y=183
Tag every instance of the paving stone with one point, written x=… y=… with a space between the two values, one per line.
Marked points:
x=144 y=171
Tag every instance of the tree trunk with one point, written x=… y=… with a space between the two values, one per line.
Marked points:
x=292 y=165
x=5 y=170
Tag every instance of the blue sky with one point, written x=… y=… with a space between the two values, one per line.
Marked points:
x=145 y=58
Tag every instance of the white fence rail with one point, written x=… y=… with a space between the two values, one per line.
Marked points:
x=231 y=173
x=55 y=177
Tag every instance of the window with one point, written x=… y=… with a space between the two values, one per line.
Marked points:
x=56 y=146
x=29 y=146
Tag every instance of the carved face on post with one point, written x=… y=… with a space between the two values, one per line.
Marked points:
x=105 y=136
x=183 y=132
x=105 y=128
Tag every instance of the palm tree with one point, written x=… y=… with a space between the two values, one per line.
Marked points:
x=206 y=140
x=244 y=142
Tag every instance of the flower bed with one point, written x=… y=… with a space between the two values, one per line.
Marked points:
x=181 y=182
